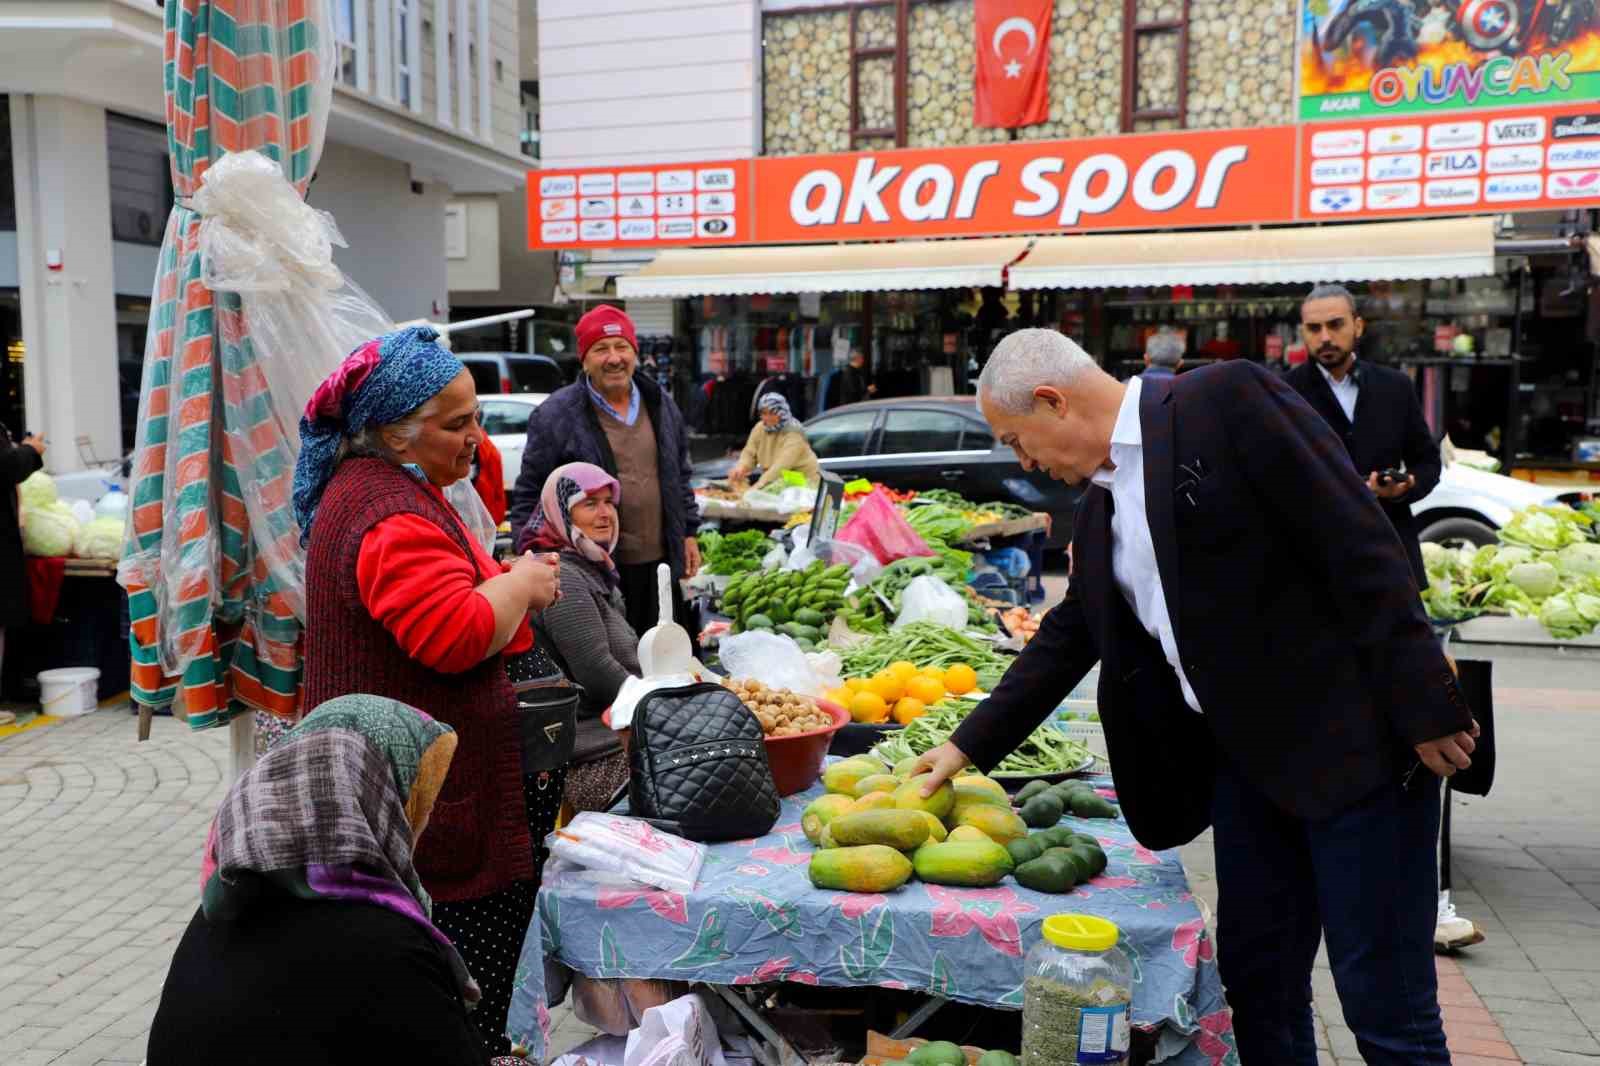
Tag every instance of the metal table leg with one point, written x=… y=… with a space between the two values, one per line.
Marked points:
x=777 y=1051
x=921 y=1014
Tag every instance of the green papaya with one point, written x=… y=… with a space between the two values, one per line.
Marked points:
x=971 y=864
x=869 y=868
x=902 y=830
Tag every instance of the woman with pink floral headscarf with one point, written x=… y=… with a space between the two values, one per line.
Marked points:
x=586 y=628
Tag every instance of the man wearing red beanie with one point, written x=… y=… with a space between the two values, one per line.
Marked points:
x=628 y=426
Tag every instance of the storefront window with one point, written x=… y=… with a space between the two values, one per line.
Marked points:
x=141 y=180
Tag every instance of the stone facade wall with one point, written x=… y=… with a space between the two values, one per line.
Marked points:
x=1241 y=55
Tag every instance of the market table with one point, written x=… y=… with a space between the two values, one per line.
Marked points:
x=755 y=918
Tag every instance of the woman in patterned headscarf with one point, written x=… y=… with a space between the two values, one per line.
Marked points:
x=587 y=627
x=777 y=443
x=314 y=942
x=403 y=601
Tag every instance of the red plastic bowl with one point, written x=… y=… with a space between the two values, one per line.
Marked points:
x=796 y=760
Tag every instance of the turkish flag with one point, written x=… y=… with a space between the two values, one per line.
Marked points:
x=1013 y=87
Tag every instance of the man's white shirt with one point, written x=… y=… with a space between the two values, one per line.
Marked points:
x=1133 y=550
x=1344 y=391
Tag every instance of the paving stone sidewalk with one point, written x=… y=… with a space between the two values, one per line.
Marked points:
x=100 y=843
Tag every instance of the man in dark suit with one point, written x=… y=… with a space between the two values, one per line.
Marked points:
x=1265 y=669
x=1373 y=409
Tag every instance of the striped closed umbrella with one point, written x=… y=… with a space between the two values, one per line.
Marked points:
x=212 y=558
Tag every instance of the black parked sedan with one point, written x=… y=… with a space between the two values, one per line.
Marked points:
x=928 y=442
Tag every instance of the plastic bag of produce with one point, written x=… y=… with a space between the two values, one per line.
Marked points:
x=864 y=566
x=770 y=658
x=99 y=538
x=631 y=848
x=38 y=489
x=788 y=501
x=680 y=1033
x=879 y=528
x=929 y=599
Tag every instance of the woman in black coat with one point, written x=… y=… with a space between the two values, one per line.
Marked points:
x=17 y=461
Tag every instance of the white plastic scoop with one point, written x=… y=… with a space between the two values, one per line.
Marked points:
x=664 y=649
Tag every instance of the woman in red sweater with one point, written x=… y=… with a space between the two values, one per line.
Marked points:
x=402 y=601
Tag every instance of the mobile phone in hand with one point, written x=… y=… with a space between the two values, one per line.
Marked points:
x=1391 y=476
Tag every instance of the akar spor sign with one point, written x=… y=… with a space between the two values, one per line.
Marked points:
x=1368 y=58
x=1155 y=181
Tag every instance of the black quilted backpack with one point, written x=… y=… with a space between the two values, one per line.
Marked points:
x=699 y=765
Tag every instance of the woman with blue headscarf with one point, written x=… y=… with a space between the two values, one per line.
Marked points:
x=403 y=602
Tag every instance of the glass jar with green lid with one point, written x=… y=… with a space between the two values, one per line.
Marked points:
x=1077 y=992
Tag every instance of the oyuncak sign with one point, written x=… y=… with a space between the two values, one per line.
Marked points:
x=1454 y=162
x=1368 y=58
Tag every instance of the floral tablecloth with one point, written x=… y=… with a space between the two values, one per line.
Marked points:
x=755 y=917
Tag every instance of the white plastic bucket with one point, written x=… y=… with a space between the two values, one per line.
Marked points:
x=70 y=691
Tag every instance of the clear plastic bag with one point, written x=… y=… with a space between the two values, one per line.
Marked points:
x=930 y=599
x=629 y=847
x=789 y=500
x=878 y=527
x=679 y=1033
x=864 y=566
x=770 y=658
x=616 y=1006
x=474 y=515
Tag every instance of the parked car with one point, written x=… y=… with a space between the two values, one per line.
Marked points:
x=505 y=421
x=1469 y=505
x=508 y=373
x=928 y=442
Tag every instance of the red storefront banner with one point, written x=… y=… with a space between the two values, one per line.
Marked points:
x=1011 y=77
x=1515 y=159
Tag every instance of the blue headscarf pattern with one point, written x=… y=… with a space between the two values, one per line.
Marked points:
x=392 y=376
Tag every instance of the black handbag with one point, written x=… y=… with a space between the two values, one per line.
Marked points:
x=1477 y=688
x=698 y=763
x=547 y=726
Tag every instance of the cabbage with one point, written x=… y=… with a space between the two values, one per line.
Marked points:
x=49 y=530
x=100 y=538
x=1537 y=580
x=1579 y=560
x=38 y=490
x=1588 y=605
x=1548 y=528
x=1507 y=557
x=1562 y=616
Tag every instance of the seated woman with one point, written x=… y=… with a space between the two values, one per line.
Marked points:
x=586 y=627
x=777 y=443
x=313 y=943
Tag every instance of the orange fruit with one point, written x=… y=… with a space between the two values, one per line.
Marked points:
x=842 y=696
x=909 y=708
x=868 y=707
x=888 y=686
x=935 y=672
x=925 y=689
x=904 y=669
x=856 y=684
x=960 y=679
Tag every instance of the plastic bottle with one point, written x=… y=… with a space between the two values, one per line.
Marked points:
x=1077 y=993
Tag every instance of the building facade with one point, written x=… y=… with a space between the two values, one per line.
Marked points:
x=427 y=106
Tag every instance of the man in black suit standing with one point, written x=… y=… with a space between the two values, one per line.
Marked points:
x=1265 y=669
x=1373 y=409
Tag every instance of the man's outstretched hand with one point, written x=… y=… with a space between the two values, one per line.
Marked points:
x=1444 y=756
x=939 y=765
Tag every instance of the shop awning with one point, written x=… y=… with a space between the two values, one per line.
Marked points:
x=1378 y=251
x=898 y=265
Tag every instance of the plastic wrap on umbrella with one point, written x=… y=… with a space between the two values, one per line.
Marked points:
x=247 y=308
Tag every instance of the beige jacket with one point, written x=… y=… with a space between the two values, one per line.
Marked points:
x=774 y=453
